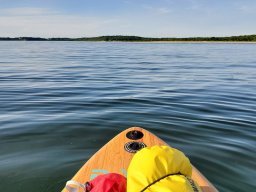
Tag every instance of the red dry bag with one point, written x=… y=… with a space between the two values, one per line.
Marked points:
x=111 y=182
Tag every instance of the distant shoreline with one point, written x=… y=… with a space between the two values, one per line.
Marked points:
x=217 y=42
x=119 y=38
x=153 y=42
x=146 y=42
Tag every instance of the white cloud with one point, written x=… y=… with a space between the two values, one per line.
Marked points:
x=48 y=23
x=150 y=21
x=26 y=11
x=163 y=10
x=247 y=8
x=157 y=10
x=195 y=5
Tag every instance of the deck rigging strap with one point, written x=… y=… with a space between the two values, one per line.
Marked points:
x=192 y=183
x=160 y=180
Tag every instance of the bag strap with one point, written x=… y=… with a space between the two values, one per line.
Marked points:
x=160 y=180
x=193 y=184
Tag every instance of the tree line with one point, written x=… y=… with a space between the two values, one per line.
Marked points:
x=247 y=38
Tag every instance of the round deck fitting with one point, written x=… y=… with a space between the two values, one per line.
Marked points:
x=133 y=147
x=134 y=135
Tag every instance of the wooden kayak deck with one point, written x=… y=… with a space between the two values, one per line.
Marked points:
x=113 y=158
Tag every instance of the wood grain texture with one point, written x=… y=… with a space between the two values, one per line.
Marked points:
x=113 y=158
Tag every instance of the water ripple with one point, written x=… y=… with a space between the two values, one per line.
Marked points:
x=57 y=98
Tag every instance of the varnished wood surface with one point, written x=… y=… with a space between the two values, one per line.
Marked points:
x=113 y=158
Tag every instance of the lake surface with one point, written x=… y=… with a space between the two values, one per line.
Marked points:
x=61 y=101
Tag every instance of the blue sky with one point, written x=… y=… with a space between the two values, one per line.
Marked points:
x=151 y=18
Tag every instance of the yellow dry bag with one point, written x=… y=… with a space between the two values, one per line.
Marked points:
x=160 y=169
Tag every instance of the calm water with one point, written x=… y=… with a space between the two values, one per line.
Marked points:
x=61 y=101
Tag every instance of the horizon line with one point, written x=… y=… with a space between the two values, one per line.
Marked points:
x=62 y=37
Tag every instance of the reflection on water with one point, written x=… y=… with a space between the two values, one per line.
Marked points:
x=61 y=101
